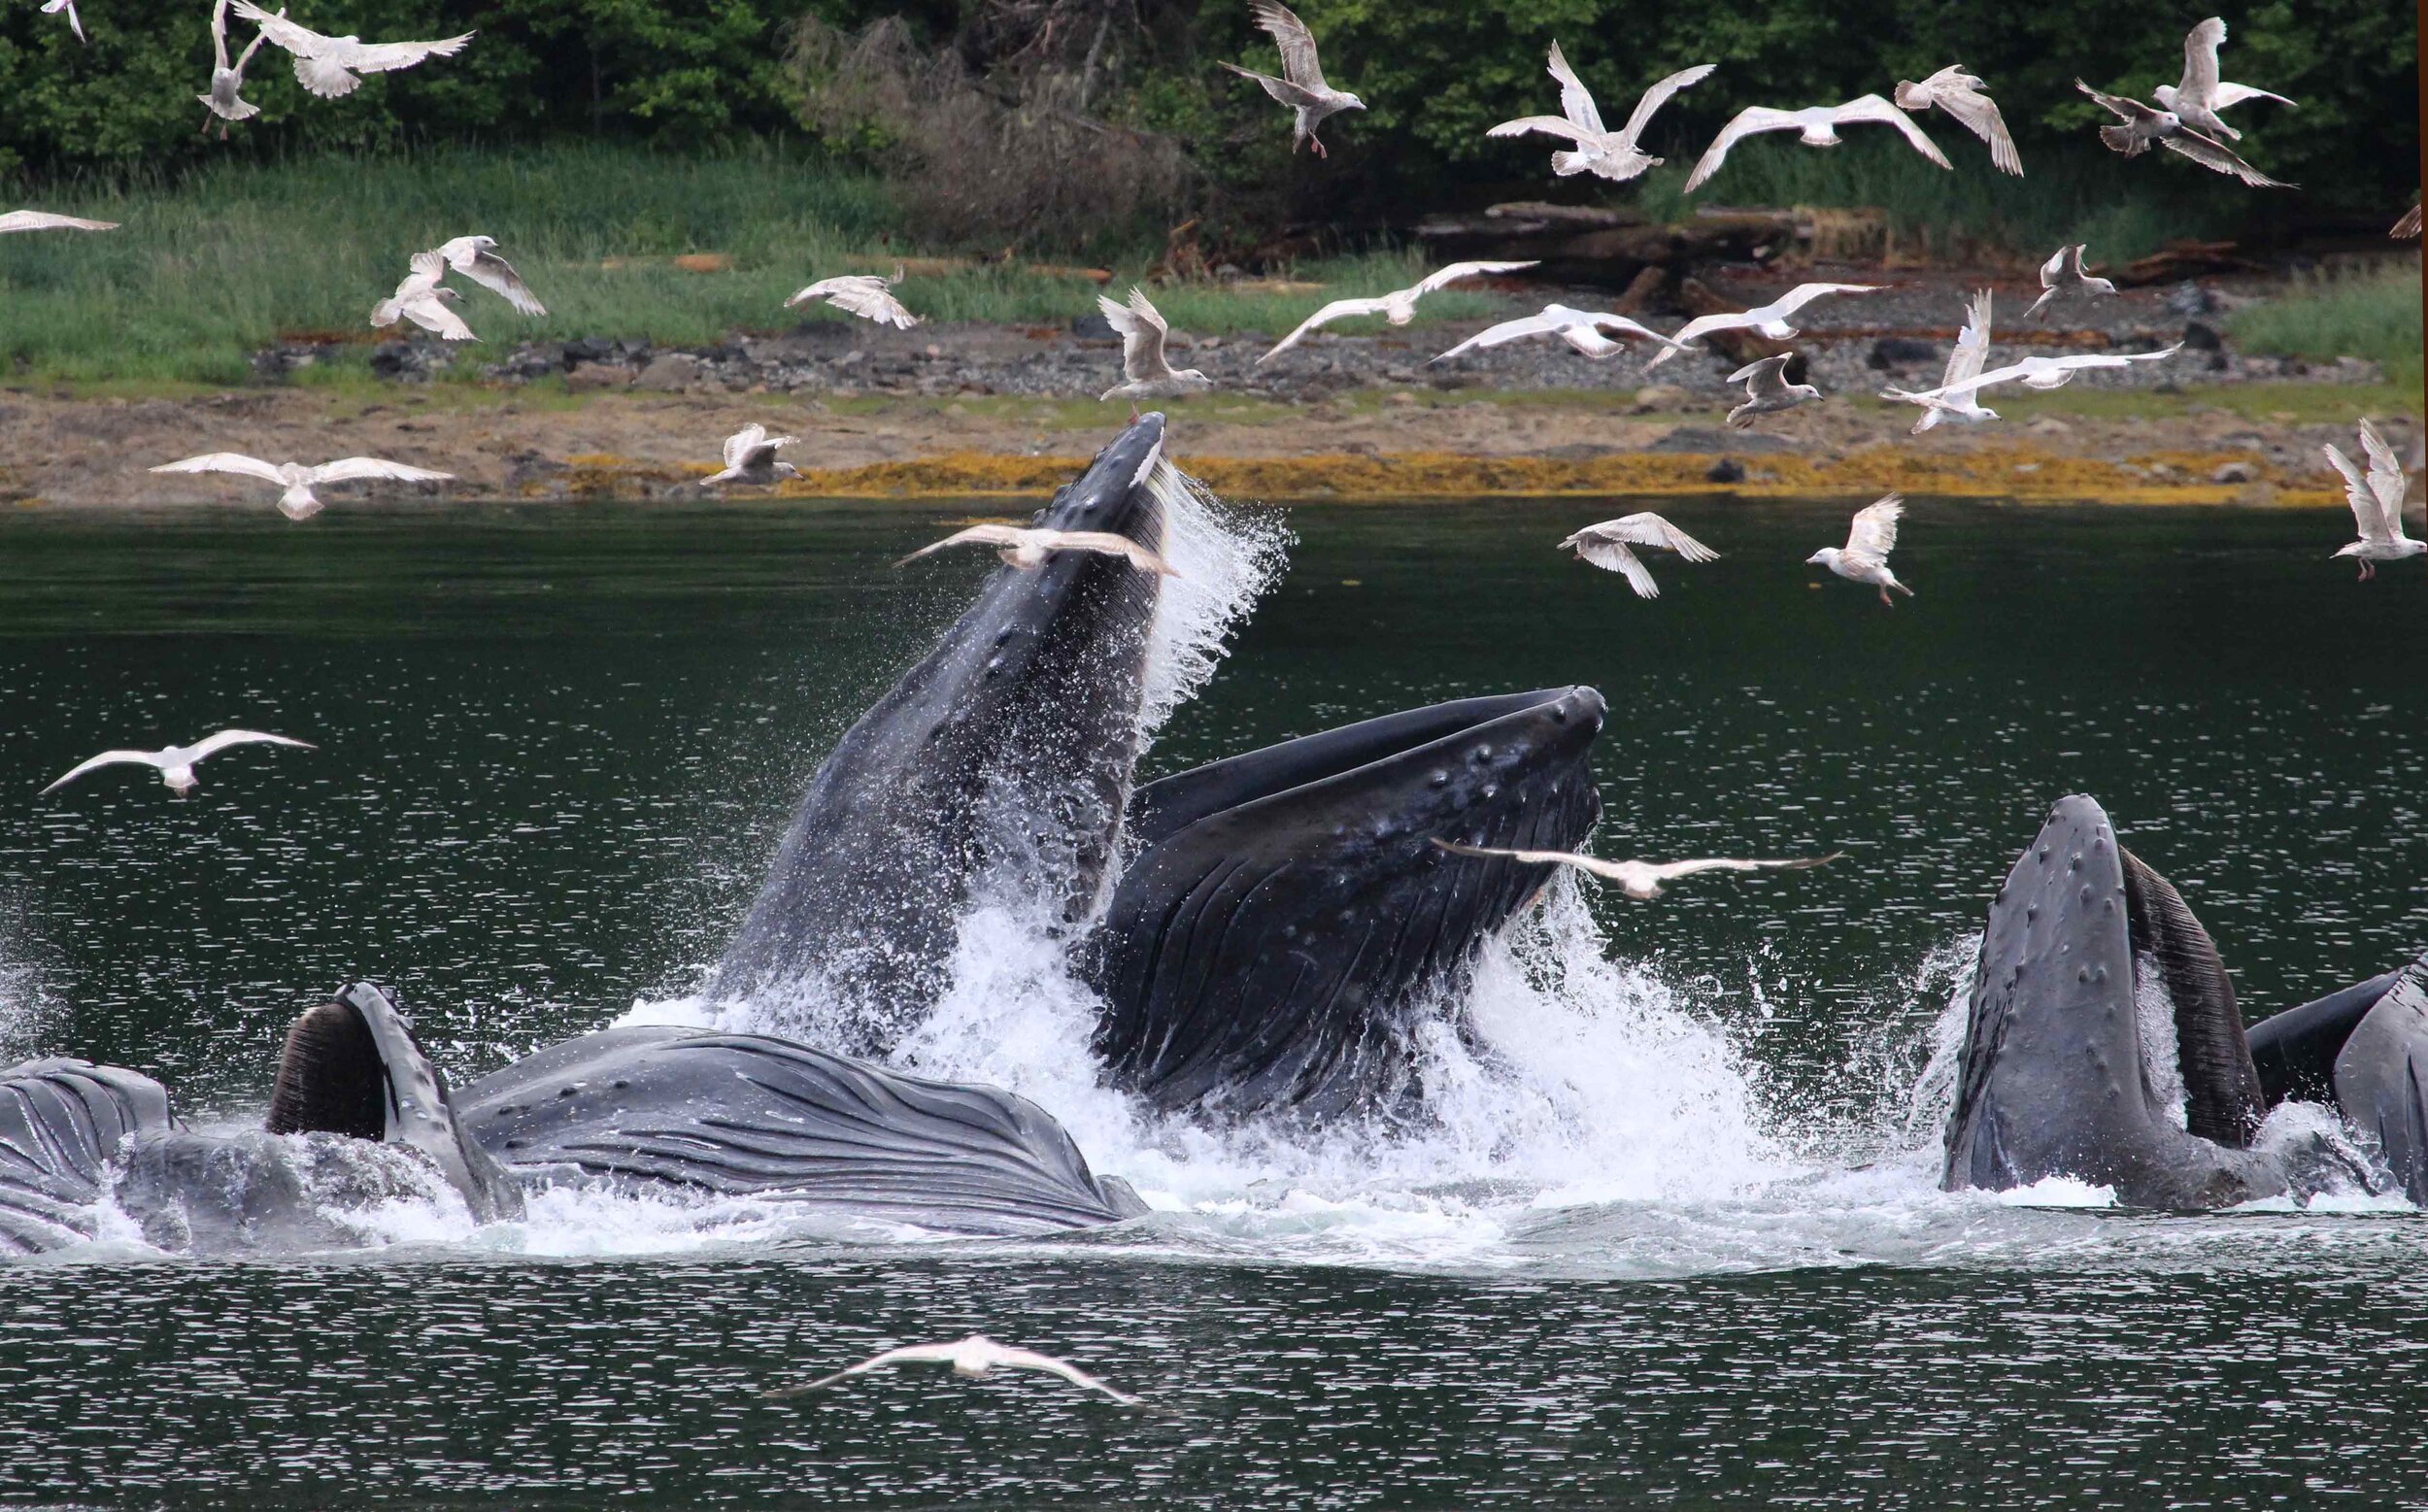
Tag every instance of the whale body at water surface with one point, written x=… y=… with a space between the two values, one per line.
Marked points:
x=2102 y=1042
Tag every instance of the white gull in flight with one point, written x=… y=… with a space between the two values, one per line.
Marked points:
x=1607 y=546
x=1398 y=307
x=1582 y=329
x=1767 y=390
x=1962 y=96
x=2202 y=94
x=1818 y=127
x=869 y=295
x=1769 y=320
x=1302 y=85
x=2376 y=501
x=298 y=501
x=1864 y=559
x=1027 y=549
x=2142 y=125
x=328 y=66
x=1642 y=881
x=971 y=1359
x=751 y=457
x=2064 y=271
x=1146 y=374
x=176 y=763
x=1611 y=154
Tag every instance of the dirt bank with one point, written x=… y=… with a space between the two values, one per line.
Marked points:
x=2202 y=447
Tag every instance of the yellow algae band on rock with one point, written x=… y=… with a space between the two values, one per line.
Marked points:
x=2010 y=473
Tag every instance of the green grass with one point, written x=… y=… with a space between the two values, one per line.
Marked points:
x=2373 y=315
x=212 y=267
x=2123 y=210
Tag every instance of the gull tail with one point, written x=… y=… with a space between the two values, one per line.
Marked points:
x=1567 y=164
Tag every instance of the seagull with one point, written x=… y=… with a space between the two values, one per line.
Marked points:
x=1606 y=546
x=1766 y=389
x=1962 y=96
x=298 y=502
x=1769 y=320
x=421 y=300
x=1611 y=155
x=1819 y=125
x=1145 y=373
x=2144 y=125
x=1398 y=307
x=2063 y=270
x=1642 y=881
x=1972 y=348
x=1580 y=329
x=2042 y=373
x=2407 y=228
x=44 y=221
x=476 y=259
x=751 y=457
x=869 y=295
x=1865 y=556
x=2197 y=100
x=1302 y=85
x=327 y=66
x=54 y=7
x=176 y=762
x=227 y=81
x=1027 y=549
x=2377 y=502
x=970 y=1359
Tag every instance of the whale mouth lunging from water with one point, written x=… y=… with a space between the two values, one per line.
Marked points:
x=1274 y=946
x=2104 y=1044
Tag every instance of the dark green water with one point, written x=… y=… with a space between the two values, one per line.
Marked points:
x=558 y=744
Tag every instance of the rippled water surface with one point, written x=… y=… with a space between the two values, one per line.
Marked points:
x=1677 y=1240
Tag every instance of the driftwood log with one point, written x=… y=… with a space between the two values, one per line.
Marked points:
x=1607 y=248
x=2179 y=260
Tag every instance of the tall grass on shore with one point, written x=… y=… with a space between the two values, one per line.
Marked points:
x=2373 y=315
x=2124 y=210
x=211 y=268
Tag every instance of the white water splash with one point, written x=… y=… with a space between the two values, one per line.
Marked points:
x=1227 y=558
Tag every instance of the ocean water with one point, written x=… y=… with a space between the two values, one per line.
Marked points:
x=1673 y=1237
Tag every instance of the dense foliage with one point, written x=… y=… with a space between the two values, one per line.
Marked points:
x=684 y=72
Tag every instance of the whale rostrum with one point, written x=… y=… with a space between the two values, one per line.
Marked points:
x=2103 y=1041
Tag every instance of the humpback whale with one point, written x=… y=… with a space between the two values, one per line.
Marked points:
x=2102 y=1042
x=1282 y=930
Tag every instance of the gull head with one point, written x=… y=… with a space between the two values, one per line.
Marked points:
x=1195 y=378
x=2164 y=95
x=1827 y=556
x=2168 y=120
x=1802 y=391
x=1350 y=102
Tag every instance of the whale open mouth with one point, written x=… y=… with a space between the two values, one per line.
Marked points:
x=1271 y=948
x=2103 y=1041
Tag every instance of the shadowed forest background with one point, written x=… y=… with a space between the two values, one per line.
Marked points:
x=1094 y=125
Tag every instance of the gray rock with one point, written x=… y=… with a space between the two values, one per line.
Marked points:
x=1696 y=440
x=671 y=373
x=1727 y=469
x=1092 y=326
x=2234 y=472
x=1902 y=351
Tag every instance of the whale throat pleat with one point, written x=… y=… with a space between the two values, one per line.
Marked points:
x=2224 y=1101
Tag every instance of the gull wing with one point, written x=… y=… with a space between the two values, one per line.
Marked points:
x=1337 y=310
x=151 y=758
x=302 y=41
x=2210 y=152
x=742 y=443
x=1872 y=108
x=1975 y=111
x=218 y=34
x=432 y=314
x=348 y=469
x=2200 y=60
x=381 y=58
x=1703 y=324
x=1612 y=555
x=1549 y=126
x=1973 y=343
x=44 y=221
x=870 y=299
x=1669 y=871
x=1143 y=332
x=1873 y=533
x=2052 y=279
x=1576 y=102
x=1443 y=278
x=225 y=738
x=1507 y=331
x=972 y=535
x=1104 y=542
x=2368 y=512
x=2385 y=470
x=1658 y=95
x=2408 y=226
x=227 y=462
x=1766 y=379
x=1749 y=121
x=1298 y=63
x=1281 y=89
x=1650 y=530
x=2118 y=105
x=1601 y=321
x=496 y=275
x=908 y=1353
x=2231 y=94
x=1802 y=294
x=1031 y=1359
